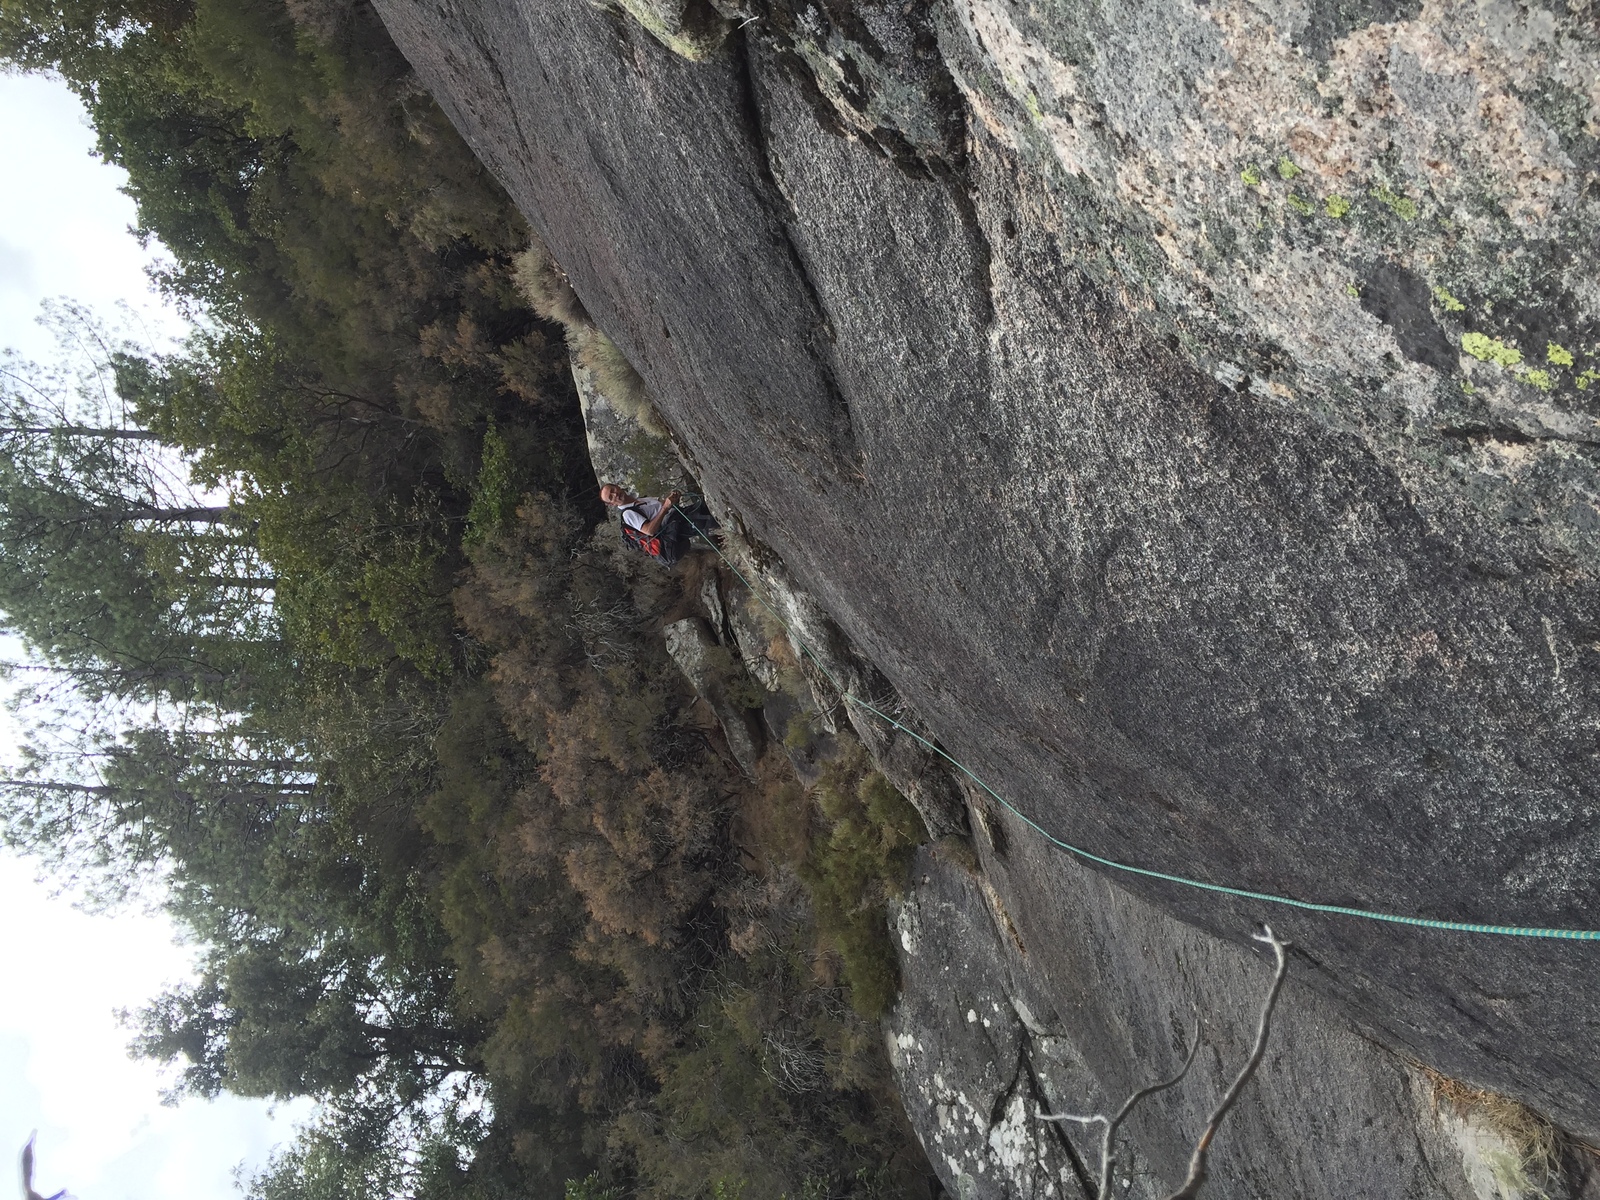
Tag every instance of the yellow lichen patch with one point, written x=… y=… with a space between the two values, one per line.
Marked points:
x=1590 y=376
x=671 y=24
x=1403 y=206
x=1446 y=301
x=1488 y=349
x=1539 y=379
x=1558 y=356
x=1250 y=176
x=1336 y=206
x=1301 y=205
x=1287 y=168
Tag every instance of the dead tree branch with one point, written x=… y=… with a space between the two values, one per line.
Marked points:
x=1197 y=1163
x=1108 y=1160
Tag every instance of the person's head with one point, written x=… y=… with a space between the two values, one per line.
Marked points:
x=615 y=496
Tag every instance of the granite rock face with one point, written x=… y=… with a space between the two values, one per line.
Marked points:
x=1012 y=1007
x=1187 y=411
x=986 y=1037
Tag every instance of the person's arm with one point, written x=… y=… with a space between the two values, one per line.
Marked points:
x=650 y=527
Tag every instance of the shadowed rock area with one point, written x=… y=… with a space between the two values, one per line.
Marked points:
x=1185 y=413
x=1071 y=1008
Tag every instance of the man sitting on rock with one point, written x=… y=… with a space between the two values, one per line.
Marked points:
x=664 y=526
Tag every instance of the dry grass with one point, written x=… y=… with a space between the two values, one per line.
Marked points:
x=616 y=379
x=546 y=287
x=1536 y=1143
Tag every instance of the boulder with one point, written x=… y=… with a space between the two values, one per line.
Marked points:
x=626 y=445
x=1237 y=541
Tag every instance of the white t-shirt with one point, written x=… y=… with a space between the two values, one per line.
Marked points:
x=641 y=511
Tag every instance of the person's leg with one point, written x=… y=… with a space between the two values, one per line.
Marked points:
x=699 y=516
x=704 y=519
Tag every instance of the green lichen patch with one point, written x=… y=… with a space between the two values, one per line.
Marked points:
x=691 y=29
x=1287 y=168
x=1301 y=205
x=1336 y=206
x=1250 y=176
x=1448 y=302
x=1539 y=379
x=1487 y=349
x=1557 y=355
x=1583 y=381
x=658 y=466
x=1403 y=206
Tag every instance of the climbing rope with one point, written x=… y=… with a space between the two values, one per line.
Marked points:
x=1586 y=935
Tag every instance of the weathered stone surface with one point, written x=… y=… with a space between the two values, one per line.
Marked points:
x=1072 y=1005
x=835 y=670
x=622 y=450
x=791 y=719
x=709 y=669
x=754 y=642
x=1085 y=442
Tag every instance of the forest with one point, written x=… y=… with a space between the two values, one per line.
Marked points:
x=330 y=650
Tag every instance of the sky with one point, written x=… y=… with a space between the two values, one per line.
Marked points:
x=64 y=1068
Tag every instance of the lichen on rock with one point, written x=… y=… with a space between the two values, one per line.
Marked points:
x=1453 y=144
x=690 y=28
x=1184 y=516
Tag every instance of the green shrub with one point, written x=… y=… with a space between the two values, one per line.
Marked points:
x=590 y=1188
x=495 y=498
x=855 y=868
x=546 y=287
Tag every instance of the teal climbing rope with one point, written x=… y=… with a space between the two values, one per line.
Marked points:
x=1581 y=935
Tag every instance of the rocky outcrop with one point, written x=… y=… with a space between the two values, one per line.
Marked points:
x=1186 y=410
x=623 y=448
x=714 y=676
x=836 y=671
x=1015 y=1005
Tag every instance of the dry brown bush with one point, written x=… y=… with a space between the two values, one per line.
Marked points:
x=546 y=287
x=1534 y=1141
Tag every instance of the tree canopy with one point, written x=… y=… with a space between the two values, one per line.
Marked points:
x=327 y=638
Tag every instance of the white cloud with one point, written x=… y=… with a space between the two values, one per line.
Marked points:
x=63 y=213
x=64 y=1069
x=102 y=1131
x=16 y=270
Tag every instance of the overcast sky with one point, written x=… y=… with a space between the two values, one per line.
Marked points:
x=64 y=1069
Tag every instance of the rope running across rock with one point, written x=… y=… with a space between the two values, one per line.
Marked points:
x=1587 y=935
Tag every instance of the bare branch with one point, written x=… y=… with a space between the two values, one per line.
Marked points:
x=1108 y=1161
x=1197 y=1163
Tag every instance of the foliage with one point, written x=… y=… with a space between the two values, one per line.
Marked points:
x=495 y=497
x=590 y=1188
x=852 y=872
x=546 y=287
x=327 y=634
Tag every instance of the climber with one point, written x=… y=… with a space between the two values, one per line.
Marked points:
x=648 y=523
